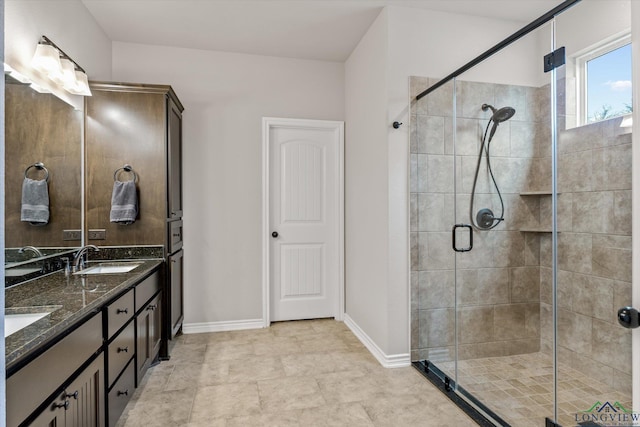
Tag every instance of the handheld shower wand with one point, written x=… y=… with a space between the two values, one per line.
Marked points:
x=485 y=219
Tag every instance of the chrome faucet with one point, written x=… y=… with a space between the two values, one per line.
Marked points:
x=78 y=260
x=32 y=249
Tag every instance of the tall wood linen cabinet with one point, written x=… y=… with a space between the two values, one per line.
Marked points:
x=139 y=125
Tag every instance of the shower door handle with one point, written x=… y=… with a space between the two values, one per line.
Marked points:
x=453 y=238
x=628 y=317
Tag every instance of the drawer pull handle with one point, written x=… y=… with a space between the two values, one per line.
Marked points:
x=176 y=234
x=74 y=395
x=123 y=393
x=122 y=310
x=123 y=349
x=152 y=307
x=64 y=405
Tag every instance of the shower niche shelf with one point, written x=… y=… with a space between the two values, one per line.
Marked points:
x=535 y=230
x=536 y=193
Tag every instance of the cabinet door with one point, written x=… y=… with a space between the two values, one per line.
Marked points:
x=174 y=160
x=80 y=404
x=52 y=416
x=155 y=330
x=86 y=397
x=149 y=323
x=176 y=292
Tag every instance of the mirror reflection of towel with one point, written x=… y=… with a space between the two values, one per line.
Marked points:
x=124 y=202
x=35 y=202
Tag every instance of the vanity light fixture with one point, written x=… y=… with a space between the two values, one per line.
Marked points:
x=9 y=70
x=50 y=60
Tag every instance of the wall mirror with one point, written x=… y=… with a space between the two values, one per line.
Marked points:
x=41 y=128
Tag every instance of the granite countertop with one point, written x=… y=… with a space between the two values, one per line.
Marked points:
x=69 y=299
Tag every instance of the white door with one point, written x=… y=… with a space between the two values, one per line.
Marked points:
x=304 y=218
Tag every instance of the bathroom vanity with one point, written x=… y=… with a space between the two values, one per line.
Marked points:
x=82 y=343
x=92 y=349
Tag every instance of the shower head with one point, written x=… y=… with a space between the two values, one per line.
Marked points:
x=501 y=115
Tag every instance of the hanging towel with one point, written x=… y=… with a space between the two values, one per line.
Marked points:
x=124 y=202
x=35 y=202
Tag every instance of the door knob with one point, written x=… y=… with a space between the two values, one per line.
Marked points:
x=628 y=317
x=274 y=234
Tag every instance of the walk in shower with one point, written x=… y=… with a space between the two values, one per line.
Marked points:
x=520 y=193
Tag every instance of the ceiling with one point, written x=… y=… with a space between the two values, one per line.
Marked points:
x=325 y=30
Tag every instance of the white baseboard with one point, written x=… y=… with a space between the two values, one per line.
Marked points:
x=228 y=325
x=388 y=361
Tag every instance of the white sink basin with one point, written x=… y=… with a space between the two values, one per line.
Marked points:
x=15 y=322
x=108 y=269
x=15 y=272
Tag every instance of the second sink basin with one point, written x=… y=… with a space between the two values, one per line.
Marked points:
x=110 y=268
x=15 y=322
x=17 y=318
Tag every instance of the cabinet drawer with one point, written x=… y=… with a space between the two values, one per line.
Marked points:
x=121 y=393
x=119 y=312
x=175 y=236
x=146 y=290
x=121 y=351
x=50 y=370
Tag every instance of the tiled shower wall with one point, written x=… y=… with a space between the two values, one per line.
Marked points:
x=504 y=284
x=594 y=251
x=498 y=281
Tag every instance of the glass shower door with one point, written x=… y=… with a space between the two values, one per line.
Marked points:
x=503 y=177
x=593 y=259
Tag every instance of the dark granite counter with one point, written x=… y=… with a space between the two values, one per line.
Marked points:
x=69 y=299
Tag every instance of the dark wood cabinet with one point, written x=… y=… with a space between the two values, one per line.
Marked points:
x=120 y=394
x=149 y=335
x=80 y=404
x=176 y=292
x=87 y=377
x=139 y=125
x=174 y=160
x=86 y=394
x=51 y=371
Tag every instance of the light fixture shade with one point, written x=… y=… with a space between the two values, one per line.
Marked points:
x=68 y=73
x=16 y=75
x=47 y=60
x=81 y=86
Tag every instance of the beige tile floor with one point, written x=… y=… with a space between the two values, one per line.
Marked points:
x=520 y=388
x=303 y=373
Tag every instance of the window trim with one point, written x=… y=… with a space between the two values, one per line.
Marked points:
x=581 y=58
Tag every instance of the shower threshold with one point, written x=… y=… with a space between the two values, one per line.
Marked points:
x=481 y=414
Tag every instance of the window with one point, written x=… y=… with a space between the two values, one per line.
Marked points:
x=604 y=78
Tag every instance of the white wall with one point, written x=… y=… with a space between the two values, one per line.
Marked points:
x=434 y=44
x=590 y=22
x=366 y=184
x=67 y=23
x=225 y=97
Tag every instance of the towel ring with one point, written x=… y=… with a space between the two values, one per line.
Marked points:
x=39 y=166
x=126 y=168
